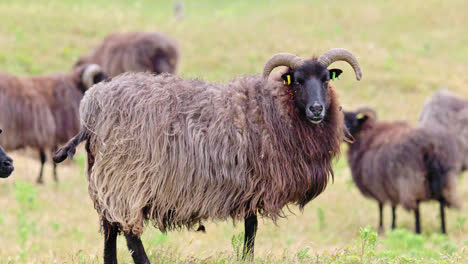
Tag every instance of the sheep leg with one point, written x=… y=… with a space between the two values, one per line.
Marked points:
x=250 y=225
x=110 y=242
x=442 y=215
x=136 y=248
x=381 y=228
x=393 y=216
x=55 y=165
x=43 y=160
x=417 y=219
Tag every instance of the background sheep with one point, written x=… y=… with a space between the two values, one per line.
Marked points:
x=6 y=163
x=448 y=112
x=135 y=52
x=395 y=163
x=179 y=151
x=42 y=112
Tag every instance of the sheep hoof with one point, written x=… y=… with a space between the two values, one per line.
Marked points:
x=201 y=228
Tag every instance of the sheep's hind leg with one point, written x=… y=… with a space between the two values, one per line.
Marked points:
x=110 y=242
x=442 y=215
x=393 y=216
x=417 y=219
x=55 y=165
x=136 y=248
x=43 y=160
x=250 y=225
x=381 y=228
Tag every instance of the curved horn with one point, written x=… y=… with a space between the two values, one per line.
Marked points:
x=281 y=59
x=339 y=54
x=367 y=110
x=88 y=74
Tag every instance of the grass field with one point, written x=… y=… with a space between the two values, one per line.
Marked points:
x=407 y=51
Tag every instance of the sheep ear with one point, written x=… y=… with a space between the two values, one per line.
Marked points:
x=287 y=78
x=335 y=73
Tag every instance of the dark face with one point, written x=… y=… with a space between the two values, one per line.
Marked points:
x=6 y=163
x=162 y=62
x=310 y=87
x=353 y=122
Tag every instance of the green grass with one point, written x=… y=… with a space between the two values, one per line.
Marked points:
x=407 y=50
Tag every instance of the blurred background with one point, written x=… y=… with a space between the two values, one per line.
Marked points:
x=407 y=50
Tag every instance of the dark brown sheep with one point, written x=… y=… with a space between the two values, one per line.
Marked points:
x=135 y=52
x=178 y=151
x=6 y=163
x=392 y=162
x=42 y=112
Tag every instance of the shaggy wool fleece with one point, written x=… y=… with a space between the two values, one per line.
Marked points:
x=133 y=52
x=179 y=151
x=394 y=162
x=449 y=113
x=25 y=116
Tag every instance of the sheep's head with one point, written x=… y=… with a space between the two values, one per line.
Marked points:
x=357 y=120
x=90 y=74
x=164 y=60
x=6 y=163
x=309 y=79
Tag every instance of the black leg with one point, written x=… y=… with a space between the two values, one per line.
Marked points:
x=442 y=215
x=381 y=228
x=55 y=165
x=417 y=219
x=393 y=216
x=250 y=225
x=43 y=160
x=110 y=242
x=136 y=249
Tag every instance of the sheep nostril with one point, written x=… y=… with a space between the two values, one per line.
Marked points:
x=316 y=109
x=8 y=163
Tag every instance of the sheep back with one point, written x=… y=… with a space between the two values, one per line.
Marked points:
x=132 y=52
x=180 y=151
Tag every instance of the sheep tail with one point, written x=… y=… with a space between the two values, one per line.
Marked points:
x=70 y=148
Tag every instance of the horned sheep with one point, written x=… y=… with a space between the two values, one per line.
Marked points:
x=41 y=112
x=178 y=151
x=392 y=162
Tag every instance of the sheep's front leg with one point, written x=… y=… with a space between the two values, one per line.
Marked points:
x=417 y=219
x=393 y=216
x=250 y=225
x=110 y=242
x=381 y=228
x=136 y=248
x=442 y=215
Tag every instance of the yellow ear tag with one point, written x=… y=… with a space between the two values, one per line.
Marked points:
x=360 y=116
x=289 y=79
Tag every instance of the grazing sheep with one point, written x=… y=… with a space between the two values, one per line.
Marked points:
x=42 y=112
x=178 y=151
x=135 y=52
x=396 y=163
x=450 y=113
x=6 y=163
